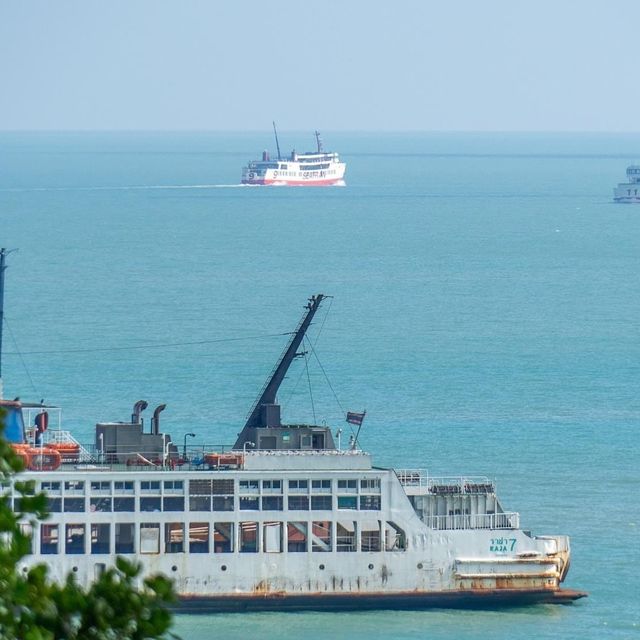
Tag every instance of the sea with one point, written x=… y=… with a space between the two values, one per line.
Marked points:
x=485 y=312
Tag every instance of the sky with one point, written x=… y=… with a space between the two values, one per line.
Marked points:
x=354 y=65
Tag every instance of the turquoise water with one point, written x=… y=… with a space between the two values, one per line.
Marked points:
x=486 y=313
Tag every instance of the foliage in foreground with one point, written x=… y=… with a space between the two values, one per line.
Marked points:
x=35 y=607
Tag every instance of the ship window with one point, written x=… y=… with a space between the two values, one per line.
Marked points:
x=101 y=487
x=49 y=539
x=124 y=537
x=199 y=503
x=249 y=504
x=347 y=502
x=248 y=537
x=74 y=505
x=100 y=504
x=124 y=504
x=223 y=537
x=173 y=504
x=149 y=537
x=174 y=537
x=100 y=538
x=173 y=485
x=345 y=486
x=394 y=537
x=321 y=536
x=150 y=504
x=299 y=503
x=272 y=503
x=370 y=535
x=346 y=535
x=150 y=486
x=249 y=486
x=284 y=167
x=51 y=487
x=222 y=487
x=296 y=537
x=371 y=485
x=298 y=485
x=272 y=486
x=198 y=537
x=200 y=487
x=321 y=486
x=75 y=534
x=321 y=502
x=222 y=503
x=74 y=486
x=54 y=505
x=123 y=487
x=370 y=503
x=272 y=537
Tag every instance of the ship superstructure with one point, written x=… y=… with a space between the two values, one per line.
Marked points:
x=284 y=519
x=629 y=191
x=318 y=168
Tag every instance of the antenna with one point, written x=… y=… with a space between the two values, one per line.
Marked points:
x=3 y=254
x=318 y=141
x=275 y=131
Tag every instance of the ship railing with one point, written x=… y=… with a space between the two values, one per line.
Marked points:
x=306 y=452
x=507 y=520
x=445 y=485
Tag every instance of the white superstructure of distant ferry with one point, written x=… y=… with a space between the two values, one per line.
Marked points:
x=318 y=168
x=629 y=191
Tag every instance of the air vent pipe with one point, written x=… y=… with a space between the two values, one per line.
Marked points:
x=138 y=408
x=155 y=421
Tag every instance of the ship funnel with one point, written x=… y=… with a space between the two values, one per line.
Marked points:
x=138 y=408
x=155 y=421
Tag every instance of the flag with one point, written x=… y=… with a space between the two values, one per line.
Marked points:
x=355 y=418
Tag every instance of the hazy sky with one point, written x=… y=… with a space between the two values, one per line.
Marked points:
x=347 y=64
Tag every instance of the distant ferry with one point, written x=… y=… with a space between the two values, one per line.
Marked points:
x=318 y=168
x=629 y=191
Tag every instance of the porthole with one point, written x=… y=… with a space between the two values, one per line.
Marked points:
x=419 y=565
x=75 y=569
x=174 y=568
x=321 y=567
x=370 y=566
x=224 y=567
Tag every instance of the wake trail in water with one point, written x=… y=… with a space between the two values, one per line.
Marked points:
x=147 y=187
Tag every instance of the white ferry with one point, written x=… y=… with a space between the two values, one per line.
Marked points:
x=629 y=191
x=283 y=520
x=318 y=168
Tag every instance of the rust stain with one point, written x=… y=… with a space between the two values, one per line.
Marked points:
x=262 y=587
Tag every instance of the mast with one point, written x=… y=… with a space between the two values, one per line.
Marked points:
x=275 y=131
x=318 y=141
x=267 y=399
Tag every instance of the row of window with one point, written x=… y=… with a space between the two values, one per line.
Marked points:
x=210 y=487
x=209 y=503
x=220 y=537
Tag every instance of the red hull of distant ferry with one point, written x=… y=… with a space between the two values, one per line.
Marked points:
x=296 y=183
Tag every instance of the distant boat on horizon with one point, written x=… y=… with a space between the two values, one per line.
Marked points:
x=629 y=191
x=318 y=168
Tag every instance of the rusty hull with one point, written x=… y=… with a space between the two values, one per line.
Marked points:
x=463 y=599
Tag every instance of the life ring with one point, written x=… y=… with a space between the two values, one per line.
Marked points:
x=68 y=451
x=45 y=459
x=22 y=452
x=212 y=459
x=223 y=459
